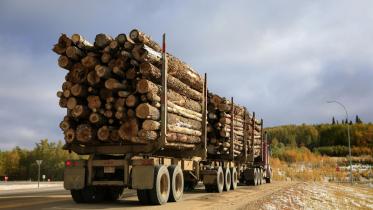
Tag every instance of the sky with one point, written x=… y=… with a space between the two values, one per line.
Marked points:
x=281 y=59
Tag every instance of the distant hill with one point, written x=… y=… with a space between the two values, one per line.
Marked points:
x=328 y=139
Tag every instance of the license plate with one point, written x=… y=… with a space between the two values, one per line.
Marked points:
x=109 y=170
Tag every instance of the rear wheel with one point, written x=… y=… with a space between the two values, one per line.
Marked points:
x=234 y=178
x=227 y=179
x=93 y=194
x=177 y=183
x=143 y=196
x=219 y=185
x=113 y=193
x=256 y=177
x=77 y=196
x=268 y=179
x=161 y=189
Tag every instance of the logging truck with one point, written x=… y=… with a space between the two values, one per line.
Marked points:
x=219 y=143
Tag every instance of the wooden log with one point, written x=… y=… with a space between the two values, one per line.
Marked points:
x=183 y=138
x=149 y=71
x=121 y=38
x=131 y=113
x=96 y=118
x=128 y=129
x=123 y=93
x=183 y=110
x=129 y=45
x=120 y=104
x=94 y=102
x=80 y=111
x=184 y=73
x=69 y=135
x=113 y=84
x=153 y=93
x=180 y=121
x=81 y=42
x=103 y=133
x=63 y=102
x=71 y=102
x=66 y=93
x=85 y=133
x=183 y=114
x=106 y=57
x=176 y=67
x=108 y=114
x=177 y=129
x=151 y=125
x=179 y=146
x=64 y=62
x=103 y=71
x=148 y=135
x=114 y=46
x=74 y=53
x=131 y=73
x=92 y=78
x=78 y=90
x=147 y=111
x=102 y=40
x=66 y=123
x=132 y=101
x=90 y=61
x=114 y=135
x=63 y=43
x=141 y=37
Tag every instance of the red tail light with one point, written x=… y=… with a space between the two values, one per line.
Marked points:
x=68 y=163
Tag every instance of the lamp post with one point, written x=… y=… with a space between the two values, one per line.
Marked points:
x=348 y=135
x=39 y=163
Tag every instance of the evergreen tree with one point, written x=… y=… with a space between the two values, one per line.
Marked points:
x=333 y=121
x=358 y=120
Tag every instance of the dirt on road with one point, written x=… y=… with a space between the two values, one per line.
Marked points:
x=277 y=195
x=318 y=195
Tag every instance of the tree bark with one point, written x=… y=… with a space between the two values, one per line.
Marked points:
x=147 y=111
x=84 y=133
x=151 y=72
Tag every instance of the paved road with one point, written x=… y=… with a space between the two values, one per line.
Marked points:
x=57 y=198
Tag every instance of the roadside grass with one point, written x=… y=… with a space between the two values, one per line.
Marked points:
x=301 y=164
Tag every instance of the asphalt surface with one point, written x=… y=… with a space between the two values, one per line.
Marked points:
x=57 y=198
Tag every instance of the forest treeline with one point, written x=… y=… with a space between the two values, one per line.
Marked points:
x=20 y=164
x=326 y=139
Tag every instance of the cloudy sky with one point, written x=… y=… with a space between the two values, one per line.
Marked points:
x=281 y=59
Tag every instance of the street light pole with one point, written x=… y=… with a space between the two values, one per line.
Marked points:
x=348 y=135
x=39 y=163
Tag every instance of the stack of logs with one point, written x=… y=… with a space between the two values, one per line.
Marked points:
x=113 y=90
x=221 y=121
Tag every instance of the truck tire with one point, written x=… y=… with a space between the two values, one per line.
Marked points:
x=161 y=188
x=144 y=197
x=256 y=181
x=269 y=179
x=93 y=194
x=227 y=179
x=77 y=196
x=219 y=185
x=177 y=183
x=234 y=179
x=261 y=176
x=113 y=193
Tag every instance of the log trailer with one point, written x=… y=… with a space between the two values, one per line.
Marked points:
x=160 y=173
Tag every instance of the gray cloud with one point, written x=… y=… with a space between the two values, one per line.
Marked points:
x=282 y=59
